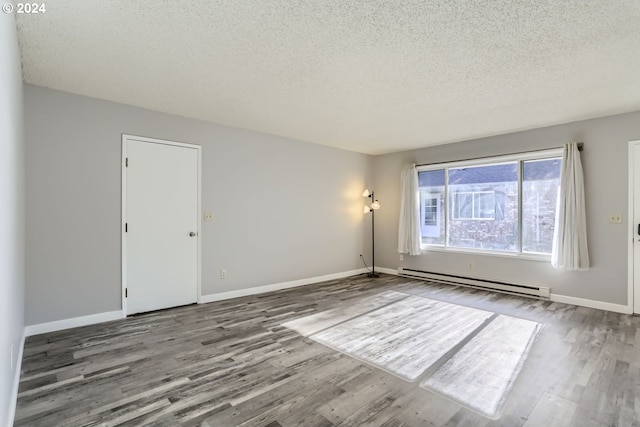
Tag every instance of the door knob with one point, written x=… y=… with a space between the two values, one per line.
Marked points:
x=192 y=234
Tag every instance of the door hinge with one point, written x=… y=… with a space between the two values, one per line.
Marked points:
x=126 y=292
x=126 y=162
x=126 y=227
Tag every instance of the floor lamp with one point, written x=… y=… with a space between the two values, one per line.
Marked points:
x=375 y=205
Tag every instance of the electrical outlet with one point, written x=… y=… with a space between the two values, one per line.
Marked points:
x=615 y=219
x=208 y=216
x=401 y=257
x=223 y=274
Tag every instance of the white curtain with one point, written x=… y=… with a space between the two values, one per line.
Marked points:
x=409 y=228
x=570 y=234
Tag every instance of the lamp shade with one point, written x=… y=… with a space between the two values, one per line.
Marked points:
x=375 y=205
x=366 y=209
x=366 y=193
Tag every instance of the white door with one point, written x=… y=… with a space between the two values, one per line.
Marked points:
x=160 y=212
x=635 y=185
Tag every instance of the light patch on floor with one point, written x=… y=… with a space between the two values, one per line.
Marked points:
x=406 y=337
x=480 y=375
x=474 y=355
x=309 y=325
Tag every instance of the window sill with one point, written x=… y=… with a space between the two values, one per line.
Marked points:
x=528 y=257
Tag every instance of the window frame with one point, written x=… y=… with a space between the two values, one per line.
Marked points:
x=434 y=205
x=520 y=158
x=473 y=217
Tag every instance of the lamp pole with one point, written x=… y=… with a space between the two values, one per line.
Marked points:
x=373 y=240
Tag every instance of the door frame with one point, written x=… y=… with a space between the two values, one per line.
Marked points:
x=631 y=229
x=123 y=219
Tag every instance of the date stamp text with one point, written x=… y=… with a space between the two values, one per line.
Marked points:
x=24 y=8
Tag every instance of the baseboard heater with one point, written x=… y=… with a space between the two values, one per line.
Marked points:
x=492 y=285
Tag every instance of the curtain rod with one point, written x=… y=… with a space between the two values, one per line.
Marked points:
x=580 y=147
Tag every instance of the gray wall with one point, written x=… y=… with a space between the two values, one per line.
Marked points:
x=605 y=168
x=11 y=210
x=283 y=210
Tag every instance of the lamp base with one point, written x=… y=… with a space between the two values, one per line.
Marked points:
x=373 y=274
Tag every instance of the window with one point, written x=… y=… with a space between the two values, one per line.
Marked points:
x=504 y=204
x=430 y=211
x=540 y=181
x=432 y=222
x=474 y=205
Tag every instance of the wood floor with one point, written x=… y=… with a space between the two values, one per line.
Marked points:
x=231 y=363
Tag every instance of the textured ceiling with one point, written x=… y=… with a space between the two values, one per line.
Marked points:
x=371 y=76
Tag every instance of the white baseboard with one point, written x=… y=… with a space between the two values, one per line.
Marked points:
x=600 y=305
x=277 y=286
x=16 y=382
x=75 y=322
x=387 y=270
x=58 y=325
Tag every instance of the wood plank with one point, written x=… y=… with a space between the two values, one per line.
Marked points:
x=231 y=362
